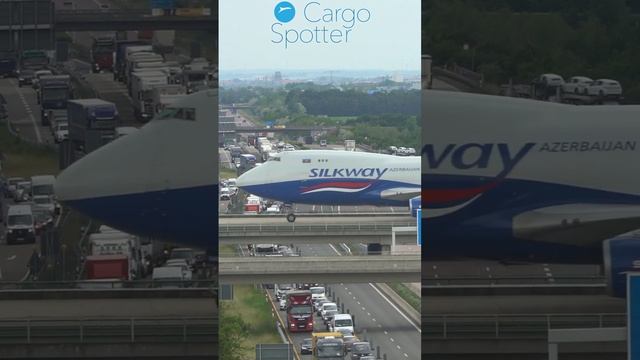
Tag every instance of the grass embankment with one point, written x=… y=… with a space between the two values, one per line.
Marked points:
x=226 y=173
x=253 y=307
x=407 y=295
x=22 y=158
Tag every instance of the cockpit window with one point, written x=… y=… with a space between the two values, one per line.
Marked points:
x=177 y=113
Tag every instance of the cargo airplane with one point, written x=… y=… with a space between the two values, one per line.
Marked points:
x=522 y=180
x=328 y=177
x=160 y=181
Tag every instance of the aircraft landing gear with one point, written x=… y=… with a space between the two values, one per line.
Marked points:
x=291 y=217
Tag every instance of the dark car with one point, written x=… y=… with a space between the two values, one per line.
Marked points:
x=25 y=77
x=360 y=350
x=305 y=347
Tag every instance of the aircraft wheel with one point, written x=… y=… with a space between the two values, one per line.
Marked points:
x=291 y=217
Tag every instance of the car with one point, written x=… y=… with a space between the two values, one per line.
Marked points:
x=328 y=315
x=605 y=88
x=349 y=340
x=25 y=77
x=187 y=274
x=360 y=350
x=411 y=151
x=283 y=304
x=61 y=132
x=326 y=307
x=12 y=183
x=183 y=253
x=306 y=347
x=22 y=191
x=45 y=202
x=577 y=85
x=323 y=143
x=551 y=80
x=225 y=194
x=273 y=209
x=317 y=304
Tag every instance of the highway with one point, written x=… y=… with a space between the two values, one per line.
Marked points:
x=385 y=324
x=24 y=111
x=317 y=220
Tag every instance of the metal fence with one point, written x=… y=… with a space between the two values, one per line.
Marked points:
x=513 y=326
x=292 y=228
x=96 y=330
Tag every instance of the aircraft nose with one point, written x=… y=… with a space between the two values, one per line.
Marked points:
x=106 y=184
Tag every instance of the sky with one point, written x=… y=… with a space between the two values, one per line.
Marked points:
x=387 y=39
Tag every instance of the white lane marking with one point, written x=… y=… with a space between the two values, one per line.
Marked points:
x=386 y=333
x=405 y=355
x=334 y=249
x=391 y=339
x=12 y=257
x=398 y=346
x=396 y=308
x=28 y=109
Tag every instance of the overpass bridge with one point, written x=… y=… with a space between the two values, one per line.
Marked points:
x=356 y=233
x=325 y=269
x=133 y=19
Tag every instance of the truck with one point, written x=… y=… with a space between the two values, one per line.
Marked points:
x=117 y=243
x=165 y=95
x=299 y=311
x=92 y=123
x=102 y=49
x=120 y=52
x=8 y=65
x=53 y=93
x=106 y=267
x=195 y=80
x=140 y=57
x=328 y=346
x=33 y=60
x=163 y=41
x=142 y=93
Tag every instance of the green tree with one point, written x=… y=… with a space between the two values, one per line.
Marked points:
x=233 y=332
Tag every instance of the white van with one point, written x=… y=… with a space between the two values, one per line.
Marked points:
x=168 y=276
x=317 y=292
x=342 y=323
x=42 y=185
x=20 y=225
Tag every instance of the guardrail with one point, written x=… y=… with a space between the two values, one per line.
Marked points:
x=293 y=228
x=511 y=280
x=318 y=214
x=105 y=284
x=101 y=330
x=512 y=326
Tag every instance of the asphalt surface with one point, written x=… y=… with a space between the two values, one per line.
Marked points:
x=107 y=308
x=486 y=271
x=24 y=111
x=376 y=318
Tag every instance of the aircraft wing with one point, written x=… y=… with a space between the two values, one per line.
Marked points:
x=576 y=224
x=400 y=193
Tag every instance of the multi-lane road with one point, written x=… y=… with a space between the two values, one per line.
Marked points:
x=377 y=318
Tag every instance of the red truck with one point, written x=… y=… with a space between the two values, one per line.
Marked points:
x=299 y=311
x=107 y=267
x=102 y=53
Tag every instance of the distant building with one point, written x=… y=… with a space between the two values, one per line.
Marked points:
x=277 y=76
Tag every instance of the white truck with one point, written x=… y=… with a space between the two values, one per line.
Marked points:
x=117 y=243
x=142 y=92
x=141 y=56
x=165 y=95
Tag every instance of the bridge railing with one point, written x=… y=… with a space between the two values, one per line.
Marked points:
x=512 y=326
x=429 y=283
x=108 y=284
x=293 y=228
x=101 y=330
